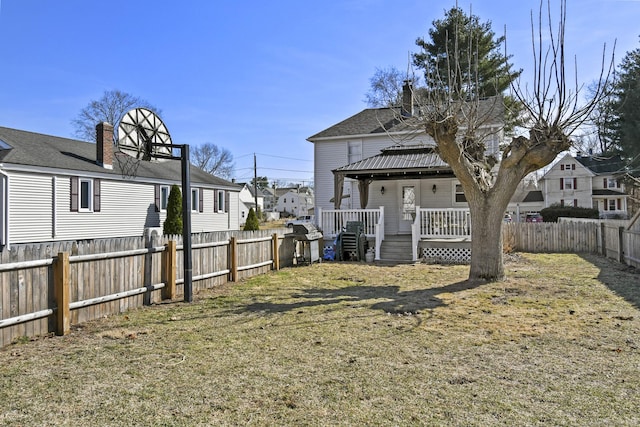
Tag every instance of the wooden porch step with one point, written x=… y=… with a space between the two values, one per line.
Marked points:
x=396 y=248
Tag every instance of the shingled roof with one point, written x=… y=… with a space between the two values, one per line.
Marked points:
x=602 y=165
x=18 y=147
x=373 y=121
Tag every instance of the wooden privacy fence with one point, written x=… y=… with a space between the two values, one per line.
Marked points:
x=48 y=287
x=603 y=237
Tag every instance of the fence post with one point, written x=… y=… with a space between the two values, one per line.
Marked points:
x=62 y=293
x=276 y=252
x=621 y=245
x=233 y=249
x=169 y=270
x=603 y=239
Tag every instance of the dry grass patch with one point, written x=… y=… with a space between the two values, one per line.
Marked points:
x=352 y=344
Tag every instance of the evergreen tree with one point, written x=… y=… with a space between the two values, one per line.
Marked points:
x=173 y=223
x=464 y=56
x=252 y=223
x=626 y=106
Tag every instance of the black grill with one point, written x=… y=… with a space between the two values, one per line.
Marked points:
x=307 y=245
x=306 y=232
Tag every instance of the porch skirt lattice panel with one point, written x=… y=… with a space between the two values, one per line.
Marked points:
x=446 y=255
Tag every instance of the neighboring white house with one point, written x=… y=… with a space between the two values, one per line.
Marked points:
x=374 y=159
x=248 y=201
x=54 y=188
x=269 y=196
x=296 y=201
x=589 y=182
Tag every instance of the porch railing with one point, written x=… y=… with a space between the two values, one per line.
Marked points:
x=439 y=223
x=332 y=222
x=445 y=223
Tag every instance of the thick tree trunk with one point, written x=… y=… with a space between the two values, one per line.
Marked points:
x=486 y=241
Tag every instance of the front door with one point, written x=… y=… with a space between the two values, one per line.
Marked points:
x=408 y=192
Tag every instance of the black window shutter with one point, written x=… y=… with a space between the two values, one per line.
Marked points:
x=215 y=200
x=575 y=183
x=226 y=201
x=573 y=166
x=96 y=195
x=562 y=183
x=562 y=167
x=200 y=202
x=156 y=196
x=74 y=194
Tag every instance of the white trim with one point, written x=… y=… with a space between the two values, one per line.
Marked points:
x=10 y=167
x=89 y=208
x=54 y=206
x=195 y=203
x=162 y=199
x=4 y=215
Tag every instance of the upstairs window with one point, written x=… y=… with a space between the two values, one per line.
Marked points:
x=568 y=183
x=354 y=151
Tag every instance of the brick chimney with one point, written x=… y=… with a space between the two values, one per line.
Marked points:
x=104 y=145
x=407 y=99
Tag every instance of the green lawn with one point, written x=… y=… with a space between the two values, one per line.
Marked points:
x=352 y=344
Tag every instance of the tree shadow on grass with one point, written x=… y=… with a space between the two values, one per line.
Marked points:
x=394 y=301
x=623 y=280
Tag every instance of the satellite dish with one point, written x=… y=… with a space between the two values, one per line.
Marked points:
x=139 y=130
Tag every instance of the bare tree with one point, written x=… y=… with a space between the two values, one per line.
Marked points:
x=386 y=87
x=214 y=160
x=110 y=108
x=460 y=123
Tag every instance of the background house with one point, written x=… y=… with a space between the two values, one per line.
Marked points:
x=296 y=201
x=248 y=200
x=587 y=181
x=54 y=188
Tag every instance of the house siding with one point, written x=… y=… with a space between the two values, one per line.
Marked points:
x=127 y=208
x=30 y=212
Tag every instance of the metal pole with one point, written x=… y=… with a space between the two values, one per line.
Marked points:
x=255 y=183
x=186 y=223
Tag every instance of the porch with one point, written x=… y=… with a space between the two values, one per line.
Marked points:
x=442 y=234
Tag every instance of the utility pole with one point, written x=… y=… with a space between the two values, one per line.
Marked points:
x=255 y=182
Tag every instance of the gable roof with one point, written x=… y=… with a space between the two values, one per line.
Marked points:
x=46 y=151
x=603 y=165
x=376 y=121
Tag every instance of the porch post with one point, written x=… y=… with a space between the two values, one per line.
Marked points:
x=338 y=182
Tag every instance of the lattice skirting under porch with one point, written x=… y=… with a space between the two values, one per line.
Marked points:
x=446 y=255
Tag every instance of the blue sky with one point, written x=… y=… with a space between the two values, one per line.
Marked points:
x=251 y=76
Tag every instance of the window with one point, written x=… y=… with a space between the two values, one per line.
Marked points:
x=459 y=196
x=164 y=197
x=408 y=203
x=568 y=183
x=610 y=183
x=354 y=151
x=568 y=167
x=612 y=204
x=194 y=200
x=85 y=195
x=220 y=207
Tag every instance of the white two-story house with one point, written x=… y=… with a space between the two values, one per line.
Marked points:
x=296 y=201
x=587 y=181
